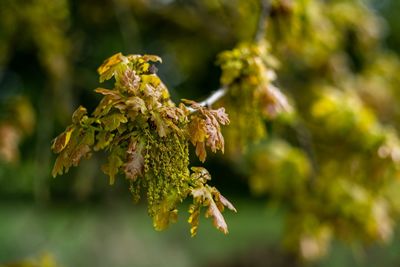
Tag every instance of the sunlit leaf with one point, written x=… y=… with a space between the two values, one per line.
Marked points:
x=108 y=68
x=61 y=141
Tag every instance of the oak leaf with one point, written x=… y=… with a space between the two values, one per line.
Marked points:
x=112 y=122
x=61 y=141
x=111 y=168
x=207 y=196
x=133 y=168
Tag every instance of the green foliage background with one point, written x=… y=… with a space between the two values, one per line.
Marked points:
x=327 y=172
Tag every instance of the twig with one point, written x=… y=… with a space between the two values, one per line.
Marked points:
x=214 y=97
x=262 y=20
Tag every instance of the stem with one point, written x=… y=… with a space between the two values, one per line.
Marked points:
x=214 y=97
x=262 y=20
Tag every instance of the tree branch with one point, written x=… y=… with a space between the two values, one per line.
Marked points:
x=214 y=97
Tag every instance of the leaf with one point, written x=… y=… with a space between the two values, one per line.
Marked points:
x=215 y=140
x=221 y=116
x=161 y=125
x=194 y=218
x=70 y=157
x=133 y=168
x=130 y=81
x=204 y=129
x=151 y=79
x=152 y=58
x=200 y=174
x=112 y=122
x=61 y=141
x=108 y=69
x=137 y=104
x=201 y=151
x=103 y=140
x=72 y=153
x=226 y=203
x=78 y=114
x=197 y=130
x=89 y=136
x=111 y=168
x=80 y=151
x=197 y=135
x=105 y=105
x=113 y=93
x=58 y=166
x=206 y=196
x=151 y=93
x=218 y=219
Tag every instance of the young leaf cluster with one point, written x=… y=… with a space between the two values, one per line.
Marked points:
x=146 y=137
x=251 y=98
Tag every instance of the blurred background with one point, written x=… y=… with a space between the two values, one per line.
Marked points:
x=49 y=53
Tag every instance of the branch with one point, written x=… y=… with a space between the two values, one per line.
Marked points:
x=262 y=20
x=214 y=97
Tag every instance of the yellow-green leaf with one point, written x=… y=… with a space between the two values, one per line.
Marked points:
x=61 y=141
x=112 y=122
